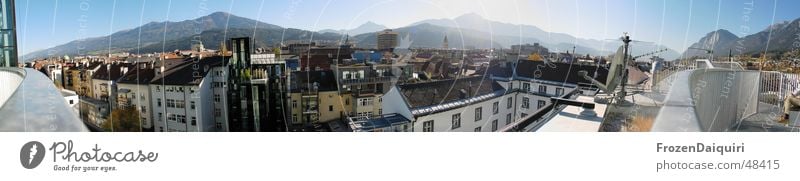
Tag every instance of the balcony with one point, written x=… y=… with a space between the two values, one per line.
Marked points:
x=30 y=102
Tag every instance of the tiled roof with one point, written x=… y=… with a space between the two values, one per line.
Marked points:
x=425 y=94
x=183 y=71
x=110 y=71
x=559 y=72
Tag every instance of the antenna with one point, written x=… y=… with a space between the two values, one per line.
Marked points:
x=650 y=53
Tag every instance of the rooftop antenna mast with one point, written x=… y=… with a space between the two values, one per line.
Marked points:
x=617 y=74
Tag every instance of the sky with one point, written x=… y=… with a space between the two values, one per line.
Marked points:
x=674 y=23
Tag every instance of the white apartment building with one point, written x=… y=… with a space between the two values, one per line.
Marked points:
x=183 y=96
x=484 y=104
x=133 y=90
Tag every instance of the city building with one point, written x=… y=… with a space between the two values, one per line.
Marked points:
x=493 y=102
x=182 y=97
x=133 y=91
x=104 y=82
x=315 y=99
x=256 y=94
x=387 y=39
x=8 y=30
x=464 y=104
x=72 y=99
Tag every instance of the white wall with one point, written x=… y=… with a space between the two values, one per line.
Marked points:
x=203 y=112
x=142 y=100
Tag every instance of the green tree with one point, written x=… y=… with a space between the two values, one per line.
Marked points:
x=123 y=120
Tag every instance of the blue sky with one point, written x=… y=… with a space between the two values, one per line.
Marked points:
x=674 y=23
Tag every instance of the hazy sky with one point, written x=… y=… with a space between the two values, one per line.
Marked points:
x=674 y=23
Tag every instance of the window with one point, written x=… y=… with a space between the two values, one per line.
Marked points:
x=158 y=89
x=217 y=112
x=170 y=103
x=143 y=109
x=526 y=87
x=159 y=102
x=380 y=111
x=540 y=104
x=194 y=121
x=543 y=89
x=508 y=119
x=171 y=117
x=523 y=115
x=70 y=102
x=216 y=98
x=478 y=129
x=330 y=108
x=427 y=126
x=559 y=91
x=509 y=103
x=294 y=103
x=180 y=119
x=160 y=116
x=478 y=113
x=495 y=107
x=180 y=104
x=494 y=125
x=365 y=101
x=192 y=104
x=526 y=103
x=456 y=121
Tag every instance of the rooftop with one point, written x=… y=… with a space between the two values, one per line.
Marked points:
x=111 y=71
x=429 y=97
x=377 y=122
x=570 y=119
x=142 y=73
x=557 y=72
x=185 y=71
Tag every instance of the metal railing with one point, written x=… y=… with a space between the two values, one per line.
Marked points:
x=774 y=87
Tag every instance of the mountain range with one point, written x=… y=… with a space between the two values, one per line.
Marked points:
x=468 y=31
x=367 y=27
x=775 y=38
x=167 y=36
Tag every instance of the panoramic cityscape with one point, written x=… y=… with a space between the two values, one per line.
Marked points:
x=297 y=66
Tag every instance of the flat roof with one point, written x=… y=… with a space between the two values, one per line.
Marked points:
x=571 y=120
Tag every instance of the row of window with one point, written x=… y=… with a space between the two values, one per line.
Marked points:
x=526 y=103
x=172 y=89
x=428 y=126
x=542 y=89
x=178 y=118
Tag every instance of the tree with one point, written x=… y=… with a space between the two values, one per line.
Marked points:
x=123 y=120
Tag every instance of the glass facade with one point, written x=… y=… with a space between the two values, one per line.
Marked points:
x=8 y=34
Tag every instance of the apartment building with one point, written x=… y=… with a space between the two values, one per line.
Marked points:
x=182 y=97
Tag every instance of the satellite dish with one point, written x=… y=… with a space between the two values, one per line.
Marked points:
x=614 y=74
